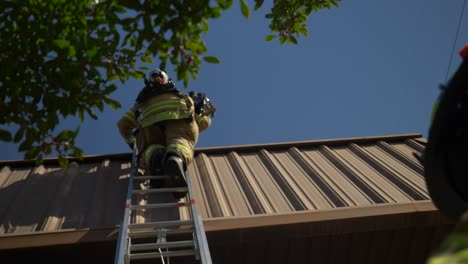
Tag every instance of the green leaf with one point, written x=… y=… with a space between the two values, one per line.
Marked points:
x=71 y=51
x=77 y=152
x=270 y=37
x=137 y=75
x=19 y=135
x=113 y=77
x=147 y=59
x=186 y=79
x=110 y=89
x=32 y=153
x=293 y=39
x=77 y=130
x=112 y=103
x=91 y=114
x=62 y=43
x=222 y=3
x=258 y=4
x=5 y=135
x=121 y=74
x=282 y=39
x=211 y=59
x=81 y=114
x=64 y=135
x=25 y=145
x=304 y=31
x=225 y=4
x=91 y=53
x=244 y=8
x=205 y=25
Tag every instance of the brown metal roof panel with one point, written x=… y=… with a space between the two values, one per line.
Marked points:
x=216 y=195
x=52 y=199
x=19 y=214
x=312 y=196
x=97 y=193
x=407 y=162
x=116 y=180
x=199 y=190
x=322 y=196
x=378 y=164
x=228 y=183
x=404 y=154
x=380 y=189
x=55 y=218
x=364 y=185
x=270 y=196
x=12 y=181
x=4 y=175
x=77 y=202
x=418 y=144
x=343 y=189
x=259 y=204
x=234 y=195
x=412 y=179
x=318 y=178
x=287 y=180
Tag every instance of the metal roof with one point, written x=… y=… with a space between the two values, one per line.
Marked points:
x=309 y=176
x=235 y=187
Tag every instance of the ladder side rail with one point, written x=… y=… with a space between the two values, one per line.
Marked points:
x=122 y=242
x=205 y=255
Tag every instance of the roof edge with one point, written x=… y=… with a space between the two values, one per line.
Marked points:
x=211 y=150
x=329 y=142
x=428 y=215
x=255 y=221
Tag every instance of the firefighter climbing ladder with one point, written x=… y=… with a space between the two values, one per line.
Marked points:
x=130 y=251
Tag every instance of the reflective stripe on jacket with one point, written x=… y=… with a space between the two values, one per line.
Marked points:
x=168 y=106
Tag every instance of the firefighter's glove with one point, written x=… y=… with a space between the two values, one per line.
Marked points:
x=198 y=99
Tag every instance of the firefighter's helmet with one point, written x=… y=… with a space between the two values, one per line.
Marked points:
x=158 y=77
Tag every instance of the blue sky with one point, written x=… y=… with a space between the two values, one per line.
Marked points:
x=367 y=68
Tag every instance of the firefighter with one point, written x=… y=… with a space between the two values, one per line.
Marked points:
x=168 y=124
x=445 y=166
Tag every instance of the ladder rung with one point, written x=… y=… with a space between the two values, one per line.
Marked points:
x=161 y=205
x=149 y=177
x=154 y=233
x=176 y=253
x=162 y=224
x=161 y=190
x=174 y=244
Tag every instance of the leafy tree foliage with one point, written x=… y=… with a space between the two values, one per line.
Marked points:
x=59 y=58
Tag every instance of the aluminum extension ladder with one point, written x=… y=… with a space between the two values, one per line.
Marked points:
x=129 y=251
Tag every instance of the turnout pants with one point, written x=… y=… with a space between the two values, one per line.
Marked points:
x=173 y=136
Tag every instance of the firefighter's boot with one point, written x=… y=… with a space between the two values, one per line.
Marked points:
x=174 y=168
x=156 y=167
